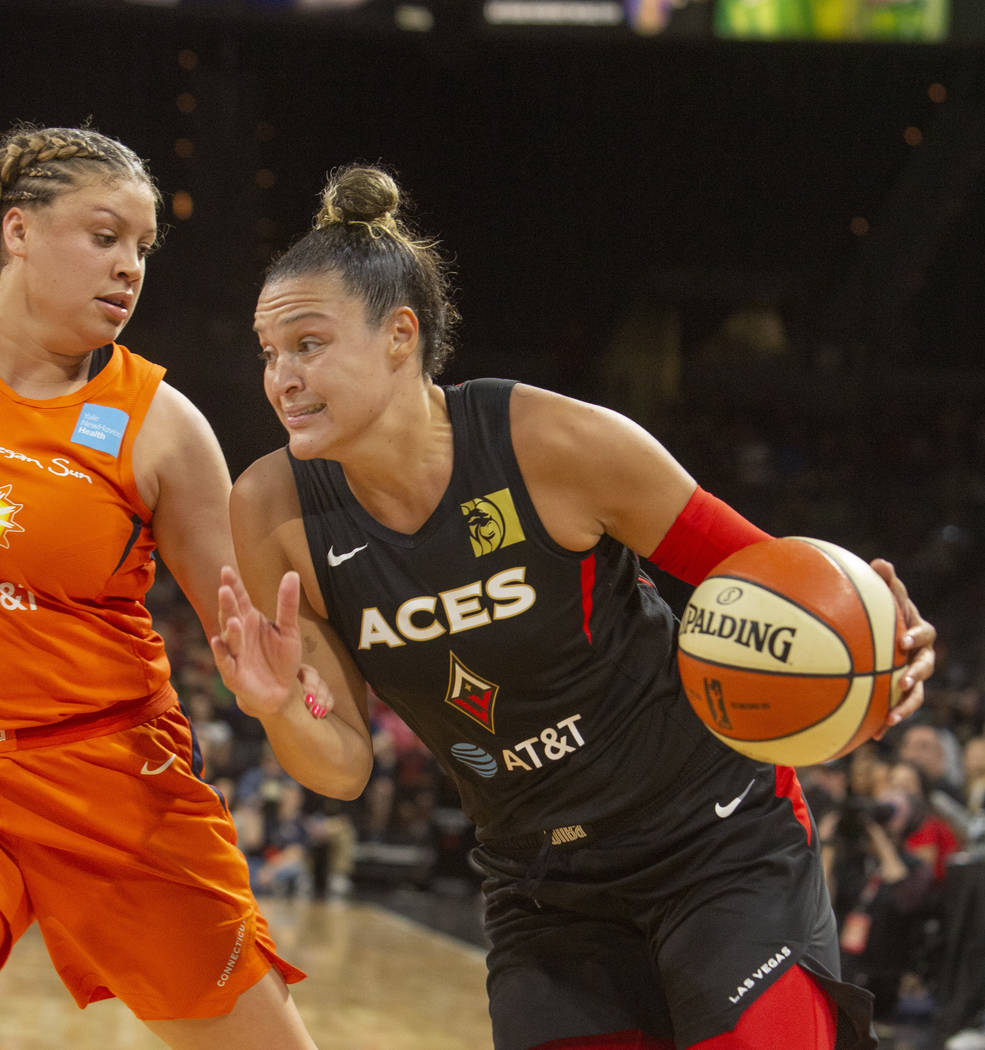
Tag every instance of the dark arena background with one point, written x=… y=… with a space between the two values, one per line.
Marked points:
x=755 y=226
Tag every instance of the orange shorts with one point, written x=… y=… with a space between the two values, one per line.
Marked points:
x=128 y=862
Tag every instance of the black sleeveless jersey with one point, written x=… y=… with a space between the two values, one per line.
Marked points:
x=543 y=680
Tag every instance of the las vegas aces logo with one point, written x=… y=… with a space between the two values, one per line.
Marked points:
x=492 y=522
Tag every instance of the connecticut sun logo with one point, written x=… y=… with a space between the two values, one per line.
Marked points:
x=492 y=522
x=7 y=511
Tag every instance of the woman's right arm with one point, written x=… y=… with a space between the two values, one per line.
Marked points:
x=273 y=647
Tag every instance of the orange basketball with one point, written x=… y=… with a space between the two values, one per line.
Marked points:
x=789 y=651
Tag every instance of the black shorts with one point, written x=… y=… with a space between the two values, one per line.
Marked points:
x=672 y=926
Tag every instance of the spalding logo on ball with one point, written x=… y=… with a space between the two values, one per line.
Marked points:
x=789 y=651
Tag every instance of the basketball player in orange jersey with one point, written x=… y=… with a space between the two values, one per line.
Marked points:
x=472 y=552
x=109 y=839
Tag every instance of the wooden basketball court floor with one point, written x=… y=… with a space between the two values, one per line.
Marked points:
x=376 y=981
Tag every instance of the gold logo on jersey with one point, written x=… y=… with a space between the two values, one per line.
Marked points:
x=492 y=522
x=7 y=511
x=471 y=694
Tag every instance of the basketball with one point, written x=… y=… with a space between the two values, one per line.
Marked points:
x=789 y=651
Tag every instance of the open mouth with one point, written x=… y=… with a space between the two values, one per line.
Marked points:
x=119 y=305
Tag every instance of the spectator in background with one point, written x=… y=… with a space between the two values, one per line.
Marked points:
x=402 y=786
x=974 y=775
x=881 y=892
x=219 y=765
x=826 y=789
x=267 y=814
x=962 y=980
x=922 y=745
x=332 y=836
x=966 y=817
x=868 y=769
x=282 y=868
x=968 y=705
x=379 y=797
x=261 y=781
x=825 y=786
x=930 y=836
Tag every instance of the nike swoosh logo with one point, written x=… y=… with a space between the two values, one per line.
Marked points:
x=337 y=559
x=727 y=811
x=148 y=772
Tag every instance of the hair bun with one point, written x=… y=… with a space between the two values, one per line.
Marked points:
x=366 y=196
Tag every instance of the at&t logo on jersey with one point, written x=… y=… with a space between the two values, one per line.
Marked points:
x=8 y=509
x=492 y=522
x=475 y=758
x=550 y=745
x=15 y=598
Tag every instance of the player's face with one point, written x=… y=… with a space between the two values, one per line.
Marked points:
x=328 y=374
x=84 y=257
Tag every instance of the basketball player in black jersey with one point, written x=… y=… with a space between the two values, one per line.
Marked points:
x=473 y=553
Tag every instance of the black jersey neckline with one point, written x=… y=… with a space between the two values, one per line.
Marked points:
x=376 y=528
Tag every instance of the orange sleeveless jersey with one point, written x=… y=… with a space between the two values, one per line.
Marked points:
x=76 y=559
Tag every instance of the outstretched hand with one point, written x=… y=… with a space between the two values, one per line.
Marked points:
x=918 y=640
x=259 y=659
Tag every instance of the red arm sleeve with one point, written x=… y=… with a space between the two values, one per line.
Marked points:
x=705 y=532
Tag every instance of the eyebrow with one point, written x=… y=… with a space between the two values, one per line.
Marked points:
x=300 y=315
x=119 y=218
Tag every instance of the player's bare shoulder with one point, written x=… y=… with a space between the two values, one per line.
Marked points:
x=266 y=491
x=590 y=469
x=557 y=429
x=553 y=440
x=268 y=529
x=272 y=469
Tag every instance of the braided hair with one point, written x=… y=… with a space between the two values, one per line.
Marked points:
x=36 y=164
